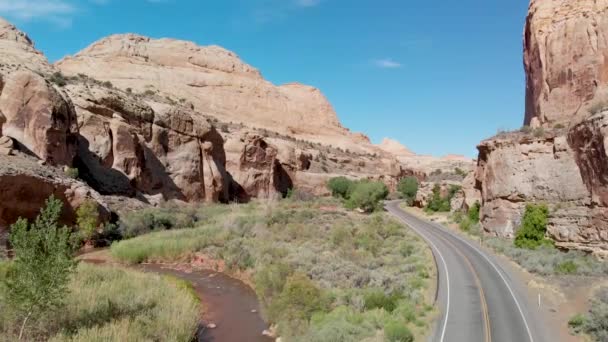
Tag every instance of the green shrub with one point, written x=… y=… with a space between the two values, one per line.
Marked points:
x=397 y=332
x=58 y=79
x=460 y=172
x=576 y=323
x=71 y=172
x=531 y=234
x=474 y=212
x=437 y=203
x=566 y=267
x=299 y=299
x=594 y=323
x=107 y=84
x=368 y=196
x=87 y=219
x=37 y=280
x=539 y=132
x=378 y=299
x=144 y=221
x=465 y=224
x=340 y=187
x=408 y=187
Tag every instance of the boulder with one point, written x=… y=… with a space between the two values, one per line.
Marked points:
x=39 y=118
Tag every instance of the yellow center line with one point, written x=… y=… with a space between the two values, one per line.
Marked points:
x=482 y=297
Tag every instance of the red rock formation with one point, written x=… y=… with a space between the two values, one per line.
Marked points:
x=566 y=59
x=39 y=117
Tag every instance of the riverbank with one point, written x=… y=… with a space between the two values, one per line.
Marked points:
x=320 y=271
x=109 y=303
x=226 y=302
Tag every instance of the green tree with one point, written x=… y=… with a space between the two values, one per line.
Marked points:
x=531 y=234
x=340 y=187
x=38 y=277
x=87 y=218
x=437 y=203
x=474 y=212
x=367 y=196
x=408 y=187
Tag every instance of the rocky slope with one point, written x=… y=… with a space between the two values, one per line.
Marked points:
x=215 y=82
x=561 y=159
x=145 y=121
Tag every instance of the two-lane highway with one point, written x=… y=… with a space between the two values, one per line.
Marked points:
x=478 y=299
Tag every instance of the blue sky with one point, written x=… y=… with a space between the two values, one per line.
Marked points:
x=439 y=76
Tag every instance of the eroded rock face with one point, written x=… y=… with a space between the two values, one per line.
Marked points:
x=39 y=117
x=566 y=59
x=257 y=172
x=215 y=81
x=25 y=186
x=128 y=146
x=558 y=171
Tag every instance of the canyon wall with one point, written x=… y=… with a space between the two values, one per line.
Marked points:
x=560 y=158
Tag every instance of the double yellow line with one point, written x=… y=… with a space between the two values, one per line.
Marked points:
x=482 y=297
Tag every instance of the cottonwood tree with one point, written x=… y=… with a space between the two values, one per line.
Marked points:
x=38 y=277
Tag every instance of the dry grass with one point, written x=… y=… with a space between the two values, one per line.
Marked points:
x=346 y=255
x=113 y=304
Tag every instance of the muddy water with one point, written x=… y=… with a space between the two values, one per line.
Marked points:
x=228 y=303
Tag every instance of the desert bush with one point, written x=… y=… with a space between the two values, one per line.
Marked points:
x=58 y=79
x=437 y=203
x=298 y=300
x=398 y=332
x=107 y=84
x=144 y=221
x=340 y=187
x=595 y=322
x=539 y=132
x=367 y=196
x=408 y=187
x=546 y=259
x=378 y=299
x=301 y=250
x=531 y=234
x=87 y=219
x=465 y=224
x=566 y=267
x=36 y=281
x=473 y=213
x=71 y=172
x=460 y=172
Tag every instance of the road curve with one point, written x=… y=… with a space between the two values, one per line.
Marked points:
x=479 y=300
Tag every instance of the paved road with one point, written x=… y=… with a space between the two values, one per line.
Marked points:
x=479 y=300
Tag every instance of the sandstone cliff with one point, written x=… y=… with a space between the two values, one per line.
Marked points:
x=561 y=160
x=214 y=81
x=566 y=60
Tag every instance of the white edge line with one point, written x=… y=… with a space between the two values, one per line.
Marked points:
x=445 y=267
x=521 y=312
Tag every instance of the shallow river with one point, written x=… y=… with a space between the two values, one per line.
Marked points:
x=227 y=302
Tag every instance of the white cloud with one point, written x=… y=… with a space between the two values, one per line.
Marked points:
x=387 y=63
x=52 y=10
